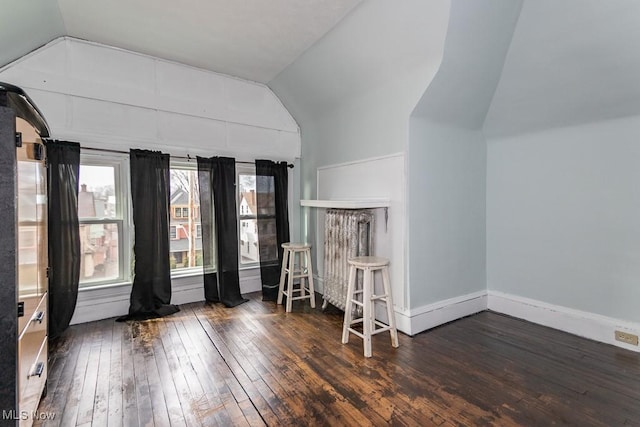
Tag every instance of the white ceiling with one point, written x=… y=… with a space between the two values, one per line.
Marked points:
x=251 y=39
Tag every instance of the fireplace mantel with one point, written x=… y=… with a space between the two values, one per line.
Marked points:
x=347 y=204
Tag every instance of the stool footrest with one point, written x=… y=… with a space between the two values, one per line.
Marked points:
x=299 y=290
x=353 y=331
x=361 y=335
x=300 y=297
x=298 y=276
x=382 y=327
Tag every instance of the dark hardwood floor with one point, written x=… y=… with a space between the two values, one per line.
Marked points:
x=257 y=365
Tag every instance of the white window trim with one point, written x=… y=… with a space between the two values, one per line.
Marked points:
x=123 y=214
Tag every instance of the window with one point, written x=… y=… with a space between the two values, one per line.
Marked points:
x=106 y=228
x=185 y=246
x=253 y=216
x=103 y=212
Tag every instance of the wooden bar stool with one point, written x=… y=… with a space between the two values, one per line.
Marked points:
x=301 y=270
x=365 y=298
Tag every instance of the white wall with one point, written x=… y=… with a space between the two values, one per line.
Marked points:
x=365 y=180
x=563 y=217
x=111 y=98
x=103 y=96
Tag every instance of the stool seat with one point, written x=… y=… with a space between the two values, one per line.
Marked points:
x=290 y=245
x=368 y=261
x=364 y=300
x=301 y=270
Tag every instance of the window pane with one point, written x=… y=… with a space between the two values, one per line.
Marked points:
x=266 y=187
x=97 y=197
x=248 y=241
x=256 y=217
x=269 y=239
x=100 y=260
x=185 y=245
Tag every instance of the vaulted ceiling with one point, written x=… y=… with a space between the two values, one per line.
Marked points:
x=566 y=61
x=251 y=39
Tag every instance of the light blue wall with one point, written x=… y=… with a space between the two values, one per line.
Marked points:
x=563 y=217
x=447 y=168
x=447 y=155
x=563 y=204
x=43 y=20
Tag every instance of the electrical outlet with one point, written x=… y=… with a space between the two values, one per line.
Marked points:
x=627 y=338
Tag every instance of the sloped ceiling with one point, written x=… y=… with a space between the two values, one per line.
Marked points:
x=477 y=42
x=570 y=62
x=251 y=39
x=27 y=25
x=379 y=42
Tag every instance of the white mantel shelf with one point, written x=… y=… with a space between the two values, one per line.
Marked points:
x=347 y=204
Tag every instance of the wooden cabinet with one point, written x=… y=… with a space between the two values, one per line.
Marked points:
x=23 y=257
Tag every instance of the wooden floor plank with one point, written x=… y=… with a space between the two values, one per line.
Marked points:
x=100 y=412
x=64 y=351
x=129 y=382
x=171 y=373
x=255 y=365
x=73 y=395
x=114 y=415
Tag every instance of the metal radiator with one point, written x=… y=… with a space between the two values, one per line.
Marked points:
x=347 y=233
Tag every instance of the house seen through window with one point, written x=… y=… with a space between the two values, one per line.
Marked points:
x=185 y=241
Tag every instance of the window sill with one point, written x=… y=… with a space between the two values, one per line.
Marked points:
x=178 y=276
x=99 y=286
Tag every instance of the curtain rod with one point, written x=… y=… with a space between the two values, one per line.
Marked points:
x=187 y=157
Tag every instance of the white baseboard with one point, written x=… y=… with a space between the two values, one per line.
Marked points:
x=113 y=301
x=420 y=319
x=585 y=324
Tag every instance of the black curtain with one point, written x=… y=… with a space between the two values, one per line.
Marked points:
x=63 y=233
x=151 y=291
x=273 y=219
x=217 y=182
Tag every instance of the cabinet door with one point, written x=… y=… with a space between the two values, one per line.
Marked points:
x=32 y=216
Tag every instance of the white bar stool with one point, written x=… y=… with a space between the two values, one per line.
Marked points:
x=301 y=270
x=366 y=298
